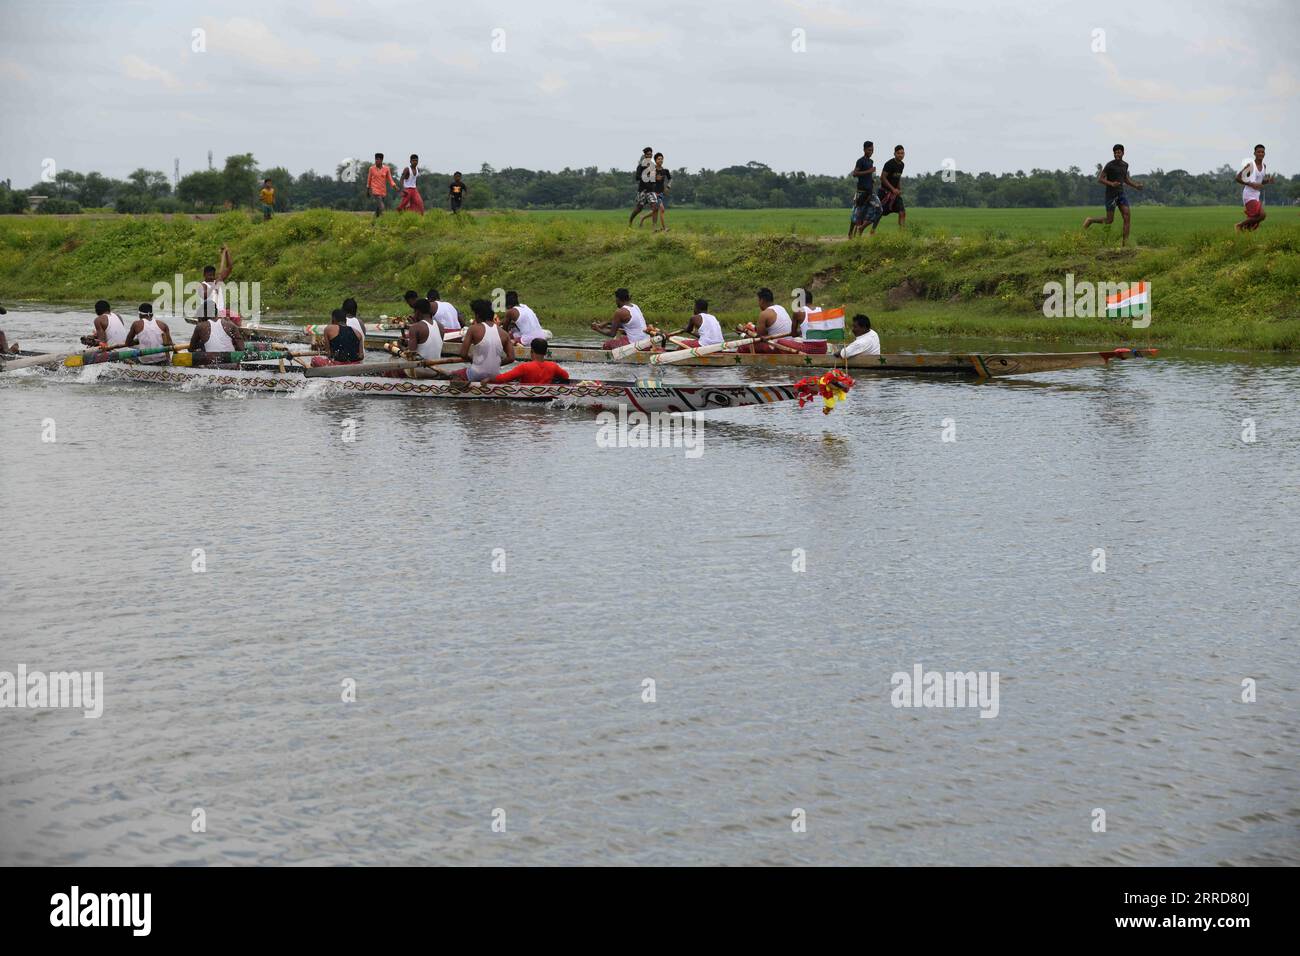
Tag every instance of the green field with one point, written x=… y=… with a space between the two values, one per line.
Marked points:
x=953 y=272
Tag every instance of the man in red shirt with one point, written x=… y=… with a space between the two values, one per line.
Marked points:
x=378 y=179
x=539 y=371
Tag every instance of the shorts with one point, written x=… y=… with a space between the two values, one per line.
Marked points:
x=1113 y=201
x=267 y=210
x=647 y=197
x=890 y=203
x=862 y=197
x=1253 y=208
x=662 y=200
x=858 y=215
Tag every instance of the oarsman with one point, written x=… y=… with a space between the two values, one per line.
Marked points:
x=350 y=316
x=424 y=336
x=891 y=189
x=341 y=341
x=378 y=178
x=411 y=198
x=213 y=286
x=456 y=193
x=537 y=371
x=444 y=313
x=5 y=346
x=108 y=330
x=773 y=320
x=409 y=297
x=627 y=327
x=801 y=316
x=1252 y=180
x=865 y=340
x=522 y=322
x=146 y=332
x=644 y=178
x=863 y=171
x=214 y=332
x=485 y=345
x=702 y=328
x=1114 y=176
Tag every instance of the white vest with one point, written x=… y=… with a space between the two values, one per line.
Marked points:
x=710 y=330
x=808 y=312
x=358 y=328
x=408 y=182
x=150 y=337
x=218 y=339
x=486 y=355
x=215 y=291
x=634 y=328
x=447 y=316
x=1256 y=175
x=782 y=325
x=430 y=348
x=528 y=326
x=115 y=330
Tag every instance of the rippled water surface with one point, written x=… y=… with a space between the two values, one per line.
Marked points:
x=372 y=560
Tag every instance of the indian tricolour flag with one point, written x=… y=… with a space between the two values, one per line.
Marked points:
x=1133 y=300
x=827 y=324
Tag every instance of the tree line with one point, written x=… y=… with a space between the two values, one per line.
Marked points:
x=751 y=186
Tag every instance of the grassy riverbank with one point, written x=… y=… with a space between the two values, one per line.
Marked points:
x=955 y=272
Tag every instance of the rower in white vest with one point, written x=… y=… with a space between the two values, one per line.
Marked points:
x=628 y=325
x=146 y=332
x=485 y=345
x=802 y=316
x=109 y=330
x=703 y=327
x=357 y=326
x=523 y=320
x=213 y=286
x=213 y=333
x=444 y=313
x=773 y=320
x=423 y=335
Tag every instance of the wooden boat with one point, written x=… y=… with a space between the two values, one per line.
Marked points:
x=958 y=365
x=595 y=395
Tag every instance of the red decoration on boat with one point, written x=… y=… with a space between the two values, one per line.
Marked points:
x=832 y=388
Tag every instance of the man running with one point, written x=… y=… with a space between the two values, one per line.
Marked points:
x=486 y=346
x=378 y=179
x=627 y=326
x=1252 y=180
x=891 y=190
x=644 y=179
x=522 y=322
x=456 y=193
x=863 y=171
x=146 y=332
x=865 y=340
x=411 y=198
x=267 y=197
x=1114 y=176
x=702 y=328
x=537 y=371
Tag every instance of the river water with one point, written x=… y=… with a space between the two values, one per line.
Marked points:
x=499 y=588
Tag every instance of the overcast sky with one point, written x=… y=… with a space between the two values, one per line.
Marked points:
x=308 y=83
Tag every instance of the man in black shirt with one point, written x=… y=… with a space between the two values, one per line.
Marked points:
x=456 y=192
x=644 y=176
x=1114 y=176
x=891 y=189
x=863 y=171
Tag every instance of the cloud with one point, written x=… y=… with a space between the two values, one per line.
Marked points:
x=823 y=15
x=137 y=68
x=1155 y=91
x=254 y=40
x=396 y=53
x=628 y=37
x=329 y=9
x=1283 y=84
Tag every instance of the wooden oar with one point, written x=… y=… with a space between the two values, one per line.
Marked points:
x=375 y=368
x=668 y=358
x=621 y=352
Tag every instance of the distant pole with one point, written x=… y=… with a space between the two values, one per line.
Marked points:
x=209 y=159
x=176 y=171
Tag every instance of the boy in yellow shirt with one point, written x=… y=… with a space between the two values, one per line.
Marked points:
x=267 y=195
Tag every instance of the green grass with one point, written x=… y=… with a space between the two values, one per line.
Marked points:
x=954 y=272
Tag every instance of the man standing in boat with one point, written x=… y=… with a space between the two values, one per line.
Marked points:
x=378 y=178
x=146 y=332
x=627 y=327
x=213 y=286
x=522 y=322
x=214 y=332
x=484 y=346
x=411 y=198
x=773 y=320
x=537 y=371
x=1114 y=176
